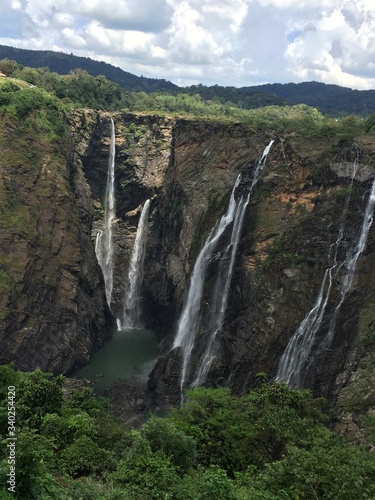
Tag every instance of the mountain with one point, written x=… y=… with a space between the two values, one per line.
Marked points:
x=64 y=63
x=329 y=99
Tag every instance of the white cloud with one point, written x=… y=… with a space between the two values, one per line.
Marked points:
x=71 y=39
x=64 y=19
x=190 y=41
x=339 y=48
x=141 y=15
x=230 y=42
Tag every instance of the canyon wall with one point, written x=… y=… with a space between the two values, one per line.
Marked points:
x=53 y=314
x=53 y=309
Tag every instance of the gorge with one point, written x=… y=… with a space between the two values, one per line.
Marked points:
x=265 y=252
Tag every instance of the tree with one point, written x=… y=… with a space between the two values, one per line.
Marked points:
x=8 y=67
x=327 y=469
x=164 y=436
x=145 y=474
x=38 y=393
x=233 y=432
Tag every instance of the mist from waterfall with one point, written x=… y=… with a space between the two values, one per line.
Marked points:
x=131 y=306
x=191 y=314
x=304 y=347
x=104 y=239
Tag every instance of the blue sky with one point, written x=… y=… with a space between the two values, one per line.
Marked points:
x=225 y=42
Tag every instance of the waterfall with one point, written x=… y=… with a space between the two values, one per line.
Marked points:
x=131 y=310
x=292 y=365
x=224 y=277
x=351 y=262
x=190 y=318
x=301 y=350
x=104 y=239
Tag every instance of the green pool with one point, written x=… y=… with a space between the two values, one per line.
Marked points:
x=131 y=352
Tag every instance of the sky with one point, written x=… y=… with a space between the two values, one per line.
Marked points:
x=225 y=42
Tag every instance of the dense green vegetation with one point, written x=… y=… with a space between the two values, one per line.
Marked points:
x=64 y=63
x=329 y=99
x=30 y=91
x=268 y=444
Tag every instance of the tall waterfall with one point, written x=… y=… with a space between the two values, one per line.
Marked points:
x=131 y=310
x=224 y=277
x=104 y=239
x=299 y=355
x=190 y=318
x=351 y=261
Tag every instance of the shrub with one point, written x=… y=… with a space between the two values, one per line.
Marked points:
x=164 y=436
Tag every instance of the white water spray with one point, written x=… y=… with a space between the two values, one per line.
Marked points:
x=190 y=318
x=302 y=348
x=104 y=239
x=351 y=262
x=224 y=278
x=131 y=310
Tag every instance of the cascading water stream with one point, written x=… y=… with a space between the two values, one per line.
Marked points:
x=301 y=350
x=189 y=321
x=104 y=239
x=224 y=278
x=351 y=262
x=131 y=310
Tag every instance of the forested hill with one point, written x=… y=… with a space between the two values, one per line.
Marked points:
x=329 y=99
x=64 y=63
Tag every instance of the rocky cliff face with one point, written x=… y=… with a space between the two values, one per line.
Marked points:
x=53 y=314
x=187 y=169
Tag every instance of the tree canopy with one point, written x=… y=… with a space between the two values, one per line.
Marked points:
x=269 y=444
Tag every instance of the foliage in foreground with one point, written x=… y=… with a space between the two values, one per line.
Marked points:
x=269 y=444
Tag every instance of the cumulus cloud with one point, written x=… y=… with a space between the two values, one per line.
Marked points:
x=138 y=15
x=229 y=42
x=15 y=22
x=340 y=49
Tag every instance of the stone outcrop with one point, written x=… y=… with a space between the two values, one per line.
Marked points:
x=53 y=314
x=53 y=295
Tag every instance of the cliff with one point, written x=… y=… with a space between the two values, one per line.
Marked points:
x=53 y=311
x=53 y=314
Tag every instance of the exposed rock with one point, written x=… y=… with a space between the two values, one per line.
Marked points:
x=52 y=310
x=127 y=402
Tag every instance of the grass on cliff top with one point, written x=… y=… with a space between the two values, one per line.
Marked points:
x=5 y=81
x=79 y=89
x=299 y=119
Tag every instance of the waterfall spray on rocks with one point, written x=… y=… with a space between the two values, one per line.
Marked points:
x=189 y=322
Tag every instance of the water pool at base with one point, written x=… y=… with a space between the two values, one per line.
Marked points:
x=130 y=353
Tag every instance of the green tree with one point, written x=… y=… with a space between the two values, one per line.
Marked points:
x=35 y=466
x=84 y=457
x=8 y=67
x=233 y=432
x=38 y=393
x=163 y=436
x=145 y=474
x=327 y=469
